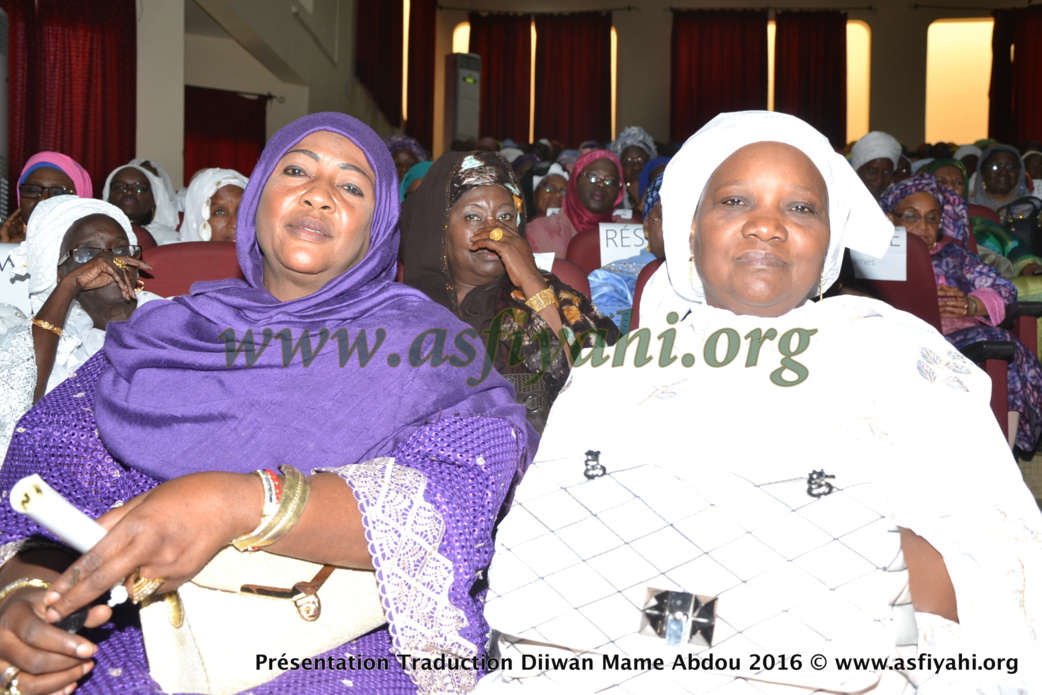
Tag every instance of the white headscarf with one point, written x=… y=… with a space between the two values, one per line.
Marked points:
x=967 y=150
x=168 y=185
x=163 y=226
x=875 y=145
x=855 y=219
x=554 y=170
x=196 y=225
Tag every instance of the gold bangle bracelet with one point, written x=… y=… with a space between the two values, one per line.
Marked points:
x=540 y=300
x=47 y=326
x=296 y=489
x=22 y=584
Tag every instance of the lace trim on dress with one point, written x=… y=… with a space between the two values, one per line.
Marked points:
x=404 y=533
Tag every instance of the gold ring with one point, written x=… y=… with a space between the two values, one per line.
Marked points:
x=119 y=262
x=496 y=234
x=8 y=677
x=141 y=588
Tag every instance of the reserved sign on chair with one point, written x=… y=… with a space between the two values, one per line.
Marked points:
x=892 y=266
x=621 y=240
x=14 y=282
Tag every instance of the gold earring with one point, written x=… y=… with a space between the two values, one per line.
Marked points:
x=691 y=270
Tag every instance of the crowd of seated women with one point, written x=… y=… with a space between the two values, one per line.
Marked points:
x=402 y=385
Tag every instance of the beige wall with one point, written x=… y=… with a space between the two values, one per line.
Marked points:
x=160 y=84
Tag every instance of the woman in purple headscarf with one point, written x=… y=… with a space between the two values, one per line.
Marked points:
x=409 y=442
x=972 y=295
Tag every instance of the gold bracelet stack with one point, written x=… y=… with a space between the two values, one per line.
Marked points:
x=540 y=300
x=47 y=326
x=295 y=492
x=23 y=583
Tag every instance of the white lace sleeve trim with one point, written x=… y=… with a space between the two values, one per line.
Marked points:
x=404 y=533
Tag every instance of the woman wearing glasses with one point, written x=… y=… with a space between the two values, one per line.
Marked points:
x=142 y=197
x=972 y=295
x=82 y=259
x=591 y=197
x=1000 y=178
x=46 y=174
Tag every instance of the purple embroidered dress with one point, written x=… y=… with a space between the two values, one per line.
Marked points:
x=956 y=266
x=334 y=380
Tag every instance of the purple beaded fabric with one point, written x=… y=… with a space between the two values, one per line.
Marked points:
x=467 y=468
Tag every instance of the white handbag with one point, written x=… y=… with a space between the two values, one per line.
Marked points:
x=207 y=636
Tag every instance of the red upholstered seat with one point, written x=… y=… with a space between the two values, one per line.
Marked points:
x=572 y=275
x=642 y=279
x=585 y=250
x=176 y=267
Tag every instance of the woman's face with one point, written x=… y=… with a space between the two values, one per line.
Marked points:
x=653 y=231
x=970 y=161
x=920 y=214
x=224 y=212
x=550 y=193
x=48 y=181
x=903 y=170
x=404 y=160
x=877 y=175
x=1000 y=172
x=130 y=191
x=1033 y=164
x=481 y=208
x=314 y=215
x=761 y=230
x=598 y=186
x=634 y=158
x=948 y=176
x=100 y=232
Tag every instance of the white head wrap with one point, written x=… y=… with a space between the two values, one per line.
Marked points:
x=634 y=135
x=196 y=225
x=875 y=145
x=44 y=235
x=164 y=222
x=967 y=150
x=510 y=153
x=920 y=163
x=554 y=170
x=855 y=219
x=168 y=185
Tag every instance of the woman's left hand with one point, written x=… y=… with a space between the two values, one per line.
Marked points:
x=516 y=254
x=168 y=533
x=954 y=303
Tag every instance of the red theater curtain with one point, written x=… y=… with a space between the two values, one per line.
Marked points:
x=73 y=82
x=420 y=89
x=810 y=70
x=1000 y=93
x=573 y=77
x=223 y=129
x=378 y=54
x=504 y=42
x=719 y=63
x=1027 y=74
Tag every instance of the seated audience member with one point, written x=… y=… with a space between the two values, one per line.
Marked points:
x=568 y=158
x=634 y=148
x=969 y=155
x=46 y=174
x=878 y=513
x=649 y=173
x=412 y=180
x=1033 y=166
x=152 y=166
x=612 y=287
x=406 y=151
x=875 y=158
x=902 y=171
x=82 y=259
x=592 y=196
x=464 y=245
x=1000 y=178
x=972 y=295
x=405 y=470
x=549 y=190
x=212 y=205
x=141 y=195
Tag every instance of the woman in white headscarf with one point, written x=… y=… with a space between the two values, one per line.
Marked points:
x=774 y=477
x=212 y=205
x=81 y=257
x=143 y=198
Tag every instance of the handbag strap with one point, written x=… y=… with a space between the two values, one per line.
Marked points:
x=303 y=594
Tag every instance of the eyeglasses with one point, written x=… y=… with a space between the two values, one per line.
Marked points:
x=1008 y=166
x=31 y=190
x=136 y=188
x=635 y=160
x=552 y=190
x=912 y=217
x=595 y=179
x=85 y=254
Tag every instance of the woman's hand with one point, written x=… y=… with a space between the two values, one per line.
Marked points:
x=49 y=659
x=516 y=254
x=12 y=231
x=103 y=270
x=956 y=304
x=168 y=533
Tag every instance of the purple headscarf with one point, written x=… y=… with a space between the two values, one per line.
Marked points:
x=172 y=404
x=954 y=221
x=404 y=142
